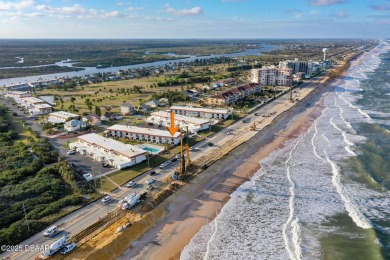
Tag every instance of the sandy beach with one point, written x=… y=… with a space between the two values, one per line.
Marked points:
x=201 y=200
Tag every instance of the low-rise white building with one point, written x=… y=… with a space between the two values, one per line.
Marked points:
x=110 y=151
x=61 y=117
x=202 y=112
x=74 y=125
x=163 y=118
x=144 y=134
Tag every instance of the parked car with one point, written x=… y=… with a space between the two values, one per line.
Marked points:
x=87 y=176
x=71 y=152
x=106 y=199
x=68 y=248
x=152 y=173
x=257 y=114
x=105 y=164
x=50 y=231
x=130 y=184
x=210 y=144
x=163 y=165
x=174 y=159
x=177 y=156
x=150 y=181
x=192 y=148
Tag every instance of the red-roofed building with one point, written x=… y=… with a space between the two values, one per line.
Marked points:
x=233 y=95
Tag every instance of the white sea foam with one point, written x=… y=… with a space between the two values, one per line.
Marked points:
x=288 y=206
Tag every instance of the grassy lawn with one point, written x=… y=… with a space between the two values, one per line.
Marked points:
x=123 y=176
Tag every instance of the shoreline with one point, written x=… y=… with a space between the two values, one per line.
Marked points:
x=174 y=231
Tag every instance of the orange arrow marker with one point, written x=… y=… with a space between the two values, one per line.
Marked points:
x=172 y=129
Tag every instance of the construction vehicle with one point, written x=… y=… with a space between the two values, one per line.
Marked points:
x=179 y=173
x=55 y=247
x=130 y=201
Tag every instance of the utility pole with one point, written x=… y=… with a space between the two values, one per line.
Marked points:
x=25 y=216
x=148 y=157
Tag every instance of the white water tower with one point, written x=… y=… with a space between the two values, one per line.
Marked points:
x=325 y=51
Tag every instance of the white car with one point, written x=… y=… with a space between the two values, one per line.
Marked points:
x=192 y=148
x=150 y=181
x=88 y=176
x=106 y=199
x=50 y=231
x=130 y=184
x=163 y=165
x=71 y=152
x=68 y=248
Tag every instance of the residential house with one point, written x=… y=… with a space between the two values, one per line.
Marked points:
x=92 y=119
x=127 y=109
x=74 y=125
x=152 y=103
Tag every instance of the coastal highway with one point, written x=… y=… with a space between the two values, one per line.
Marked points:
x=82 y=218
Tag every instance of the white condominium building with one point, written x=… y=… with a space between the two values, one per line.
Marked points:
x=143 y=134
x=272 y=76
x=202 y=112
x=107 y=150
x=163 y=118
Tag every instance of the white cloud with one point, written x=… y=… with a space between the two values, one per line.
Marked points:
x=16 y=6
x=132 y=8
x=77 y=11
x=325 y=2
x=184 y=12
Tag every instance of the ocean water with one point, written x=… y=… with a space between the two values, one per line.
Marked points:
x=326 y=194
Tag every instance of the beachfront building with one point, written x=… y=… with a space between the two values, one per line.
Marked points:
x=202 y=112
x=272 y=76
x=102 y=149
x=297 y=66
x=74 y=125
x=143 y=134
x=233 y=95
x=61 y=117
x=163 y=118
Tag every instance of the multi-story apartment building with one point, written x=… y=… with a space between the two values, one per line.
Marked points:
x=202 y=112
x=107 y=150
x=163 y=118
x=143 y=134
x=272 y=76
x=234 y=94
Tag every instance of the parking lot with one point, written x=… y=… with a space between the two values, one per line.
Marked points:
x=80 y=162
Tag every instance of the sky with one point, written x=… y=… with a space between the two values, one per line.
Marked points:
x=194 y=19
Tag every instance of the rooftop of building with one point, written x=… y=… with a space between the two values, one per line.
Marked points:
x=142 y=130
x=187 y=119
x=63 y=114
x=200 y=109
x=112 y=145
